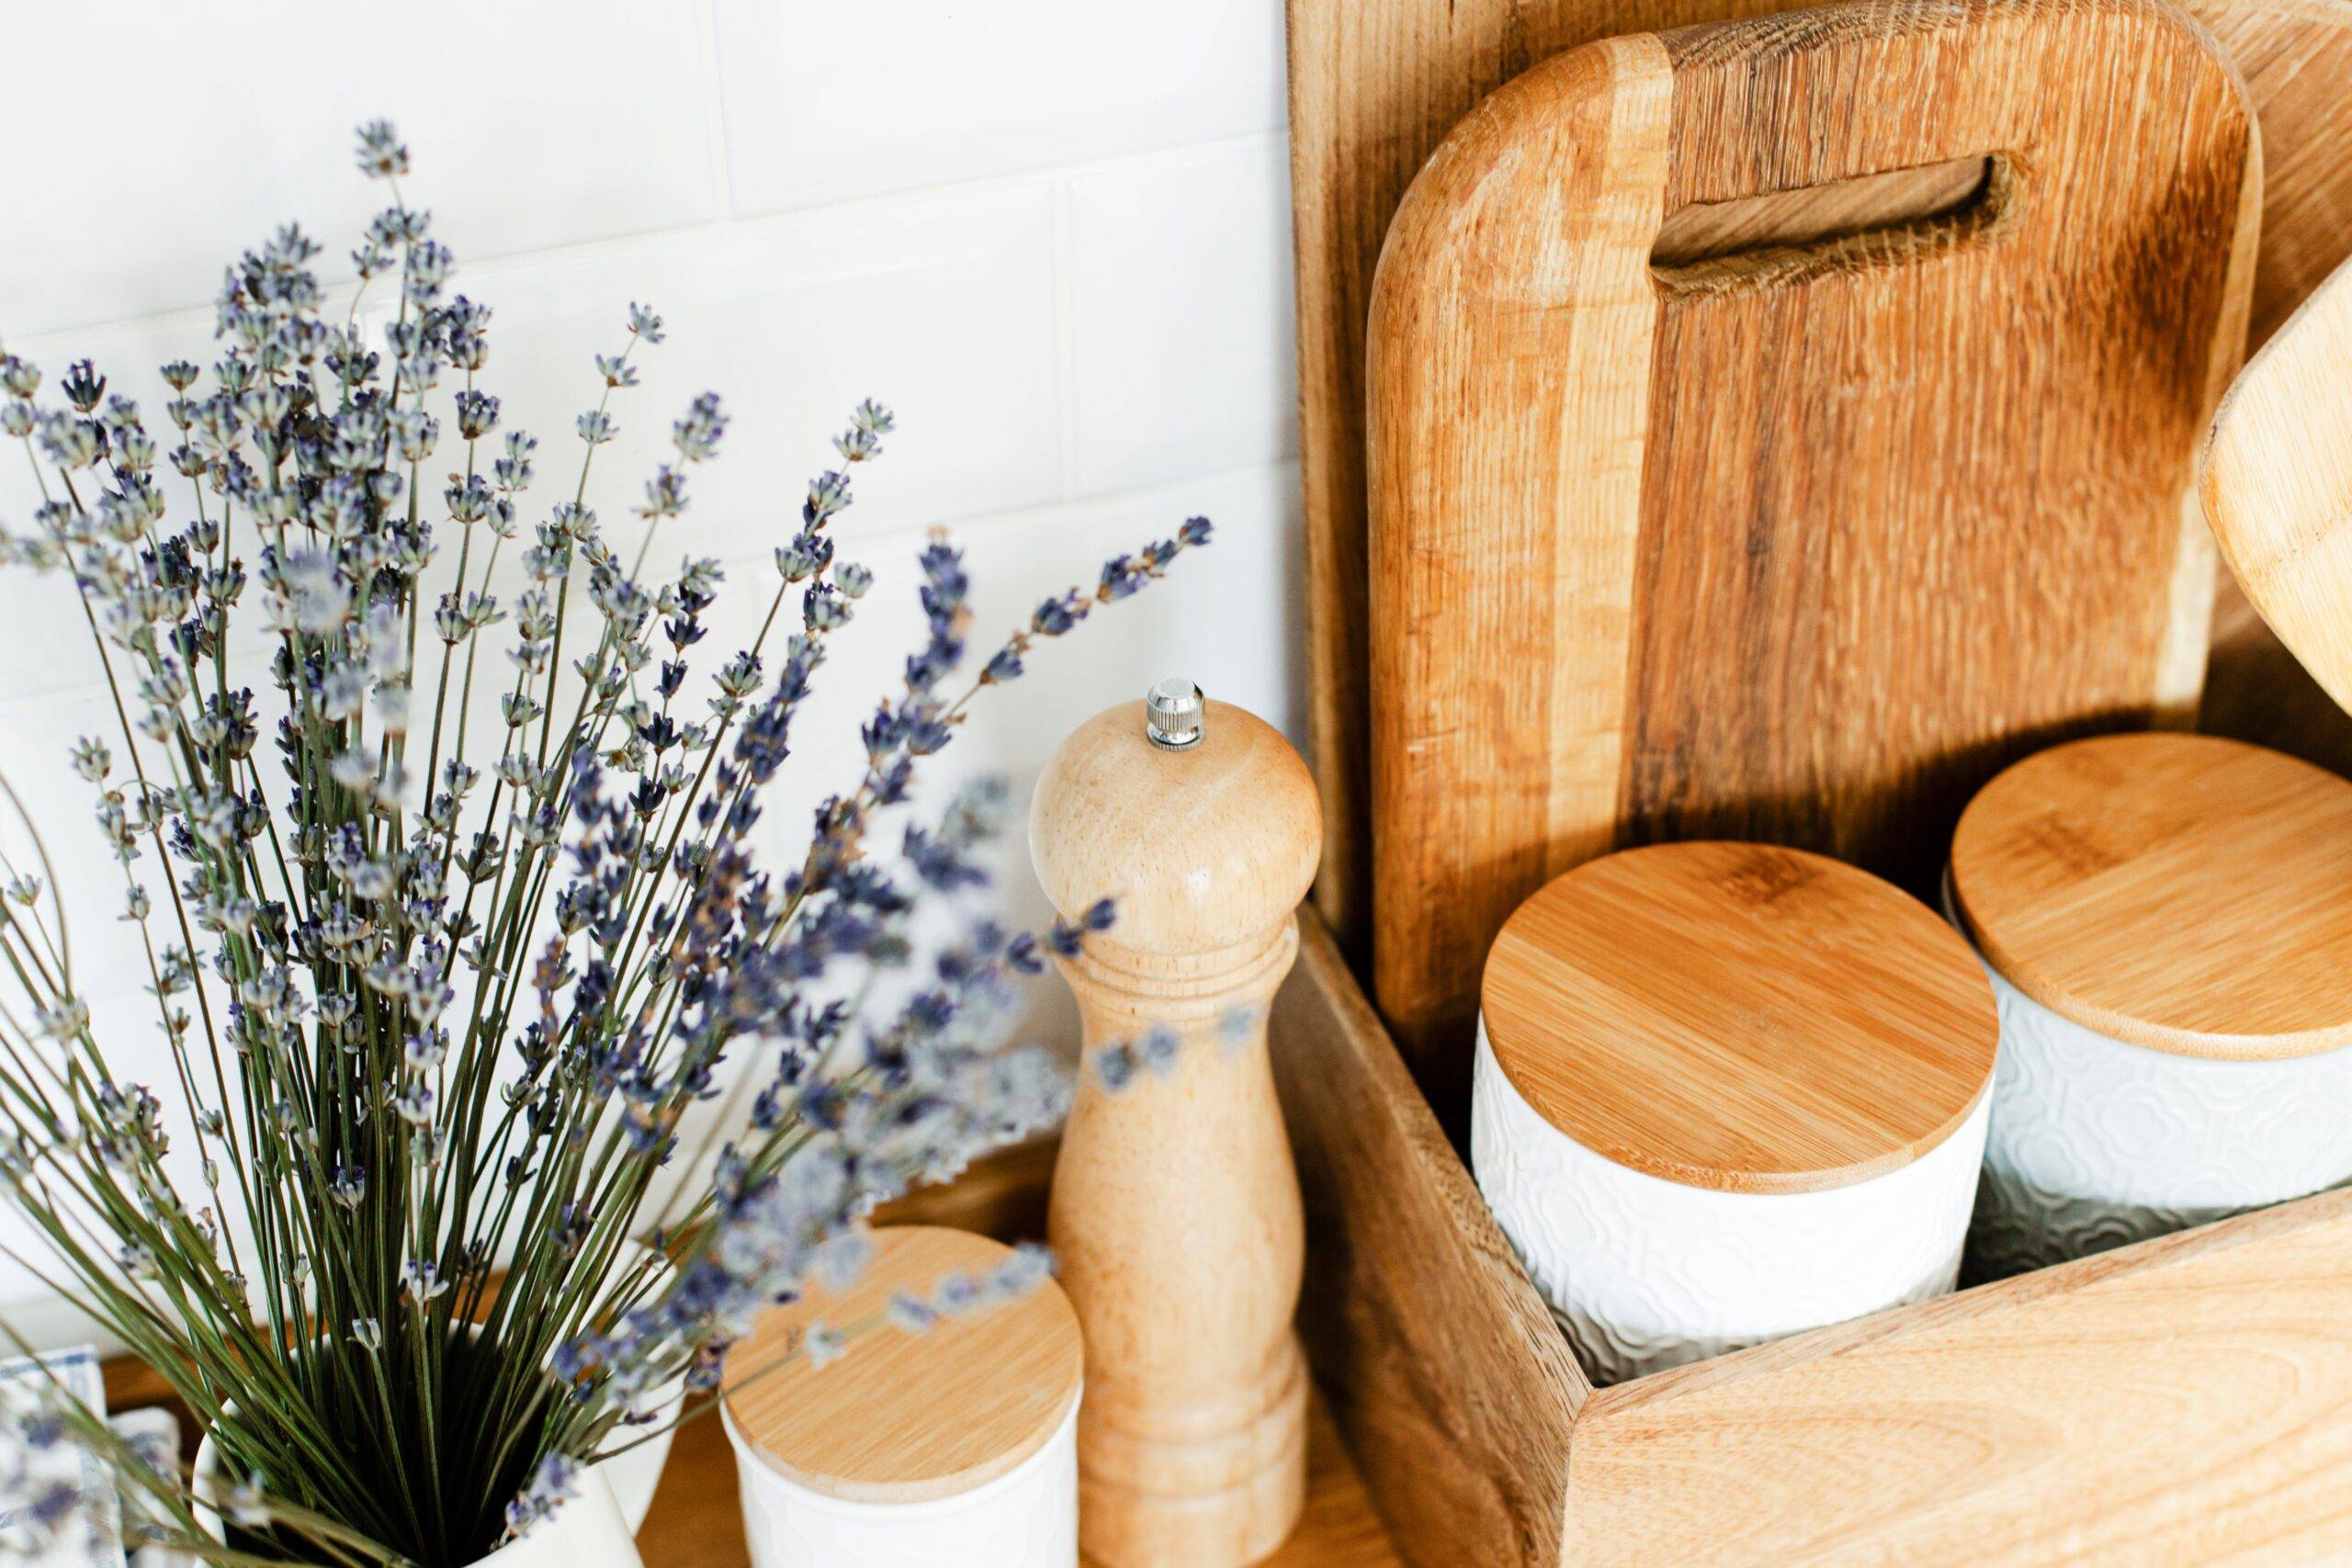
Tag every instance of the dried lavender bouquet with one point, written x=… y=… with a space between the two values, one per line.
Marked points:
x=436 y=1016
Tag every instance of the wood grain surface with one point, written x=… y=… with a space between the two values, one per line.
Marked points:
x=1376 y=85
x=1444 y=1369
x=1800 y=544
x=1741 y=1017
x=2185 y=892
x=2185 y=1401
x=2277 y=483
x=908 y=1417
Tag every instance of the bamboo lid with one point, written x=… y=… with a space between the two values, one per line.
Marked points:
x=2182 y=892
x=1740 y=1016
x=904 y=1417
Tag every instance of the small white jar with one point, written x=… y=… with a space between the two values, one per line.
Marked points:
x=2167 y=919
x=1726 y=1092
x=955 y=1445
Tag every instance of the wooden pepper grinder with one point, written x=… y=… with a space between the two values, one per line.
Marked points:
x=1175 y=1208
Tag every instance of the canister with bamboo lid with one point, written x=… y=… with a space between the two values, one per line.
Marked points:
x=2168 y=922
x=956 y=1443
x=1725 y=1092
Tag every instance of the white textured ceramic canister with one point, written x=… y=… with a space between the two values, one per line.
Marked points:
x=958 y=1444
x=2167 y=918
x=1725 y=1092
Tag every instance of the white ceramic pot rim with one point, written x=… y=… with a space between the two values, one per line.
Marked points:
x=927 y=1507
x=654 y=1452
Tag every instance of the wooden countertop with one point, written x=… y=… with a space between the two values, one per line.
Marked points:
x=698 y=1523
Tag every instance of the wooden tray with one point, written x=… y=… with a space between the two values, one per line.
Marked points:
x=2179 y=1401
x=1776 y=428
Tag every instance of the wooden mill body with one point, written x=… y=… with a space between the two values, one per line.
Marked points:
x=1175 y=1209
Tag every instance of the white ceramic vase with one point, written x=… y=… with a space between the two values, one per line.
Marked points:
x=2097 y=1143
x=624 y=1484
x=590 y=1530
x=1026 y=1518
x=1644 y=1274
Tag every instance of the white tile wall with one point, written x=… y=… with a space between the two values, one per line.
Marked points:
x=826 y=102
x=1053 y=234
x=154 y=140
x=1181 y=348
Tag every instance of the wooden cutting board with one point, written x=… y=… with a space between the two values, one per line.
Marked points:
x=2277 y=483
x=1775 y=428
x=2296 y=57
x=1376 y=85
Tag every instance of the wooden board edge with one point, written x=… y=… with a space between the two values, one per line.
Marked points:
x=1451 y=1382
x=1472 y=460
x=2180 y=1401
x=2019 y=1292
x=1319 y=55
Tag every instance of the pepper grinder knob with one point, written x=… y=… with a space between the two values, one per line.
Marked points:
x=1175 y=1210
x=1171 y=715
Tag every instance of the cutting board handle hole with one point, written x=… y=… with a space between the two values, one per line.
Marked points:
x=1778 y=237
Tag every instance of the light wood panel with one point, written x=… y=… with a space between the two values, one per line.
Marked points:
x=2277 y=482
x=1740 y=1016
x=1800 y=543
x=2185 y=1401
x=2185 y=892
x=908 y=1417
x=1376 y=85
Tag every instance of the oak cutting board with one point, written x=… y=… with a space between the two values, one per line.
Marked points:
x=2296 y=57
x=1774 y=428
x=1376 y=85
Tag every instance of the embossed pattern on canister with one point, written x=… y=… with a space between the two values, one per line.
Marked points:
x=2167 y=919
x=1726 y=1092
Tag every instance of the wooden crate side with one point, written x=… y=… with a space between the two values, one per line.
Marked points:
x=1447 y=1375
x=2181 y=1401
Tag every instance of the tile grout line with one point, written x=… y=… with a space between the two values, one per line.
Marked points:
x=1065 y=342
x=722 y=159
x=491 y=267
x=963 y=529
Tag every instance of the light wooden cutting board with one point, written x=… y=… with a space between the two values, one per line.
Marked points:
x=2296 y=56
x=1376 y=85
x=1777 y=427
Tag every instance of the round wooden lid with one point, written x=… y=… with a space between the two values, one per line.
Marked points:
x=1740 y=1016
x=2182 y=892
x=903 y=1417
